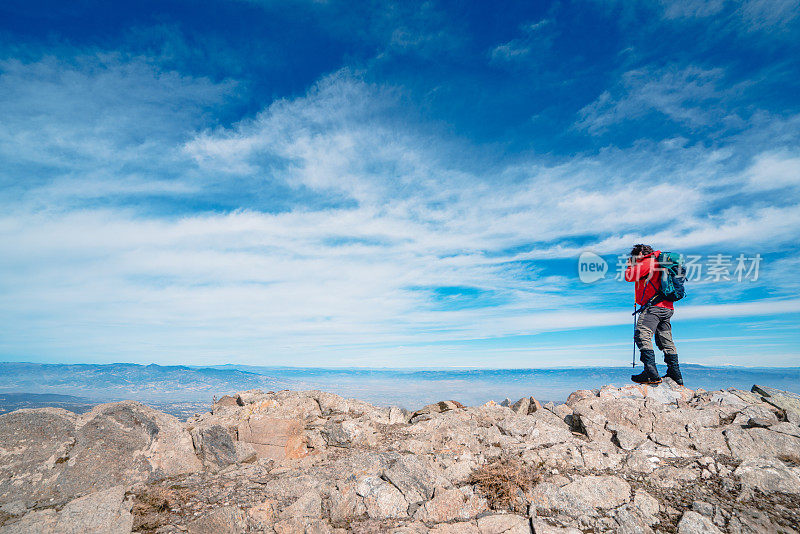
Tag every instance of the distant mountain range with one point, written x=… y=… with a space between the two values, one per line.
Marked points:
x=117 y=381
x=182 y=390
x=15 y=401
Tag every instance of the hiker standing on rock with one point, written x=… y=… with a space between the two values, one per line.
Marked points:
x=654 y=315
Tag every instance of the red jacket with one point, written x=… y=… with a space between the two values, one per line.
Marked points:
x=647 y=278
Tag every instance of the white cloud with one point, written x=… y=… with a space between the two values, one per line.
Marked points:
x=691 y=8
x=690 y=95
x=774 y=171
x=536 y=40
x=310 y=283
x=768 y=15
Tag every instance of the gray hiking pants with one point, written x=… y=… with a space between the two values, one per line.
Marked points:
x=655 y=319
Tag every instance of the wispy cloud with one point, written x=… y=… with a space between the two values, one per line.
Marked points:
x=688 y=95
x=149 y=215
x=536 y=39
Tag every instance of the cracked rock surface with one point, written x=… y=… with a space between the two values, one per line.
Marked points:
x=618 y=459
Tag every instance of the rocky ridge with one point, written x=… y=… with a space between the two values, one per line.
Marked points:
x=629 y=459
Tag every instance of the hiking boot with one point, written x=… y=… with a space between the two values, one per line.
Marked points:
x=673 y=370
x=650 y=373
x=648 y=376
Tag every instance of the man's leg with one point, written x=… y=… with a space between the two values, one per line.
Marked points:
x=645 y=326
x=667 y=345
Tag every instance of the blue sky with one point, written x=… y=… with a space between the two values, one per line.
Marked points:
x=392 y=183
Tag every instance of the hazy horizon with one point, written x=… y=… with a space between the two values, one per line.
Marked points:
x=170 y=385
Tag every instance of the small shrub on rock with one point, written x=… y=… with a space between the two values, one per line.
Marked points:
x=504 y=482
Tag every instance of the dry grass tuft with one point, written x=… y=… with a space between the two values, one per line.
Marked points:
x=504 y=483
x=151 y=509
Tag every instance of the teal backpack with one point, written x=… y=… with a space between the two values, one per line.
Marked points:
x=673 y=276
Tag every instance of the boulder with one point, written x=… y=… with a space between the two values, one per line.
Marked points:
x=760 y=443
x=104 y=511
x=504 y=524
x=308 y=506
x=57 y=455
x=541 y=526
x=34 y=444
x=263 y=515
x=526 y=406
x=414 y=477
x=601 y=492
x=222 y=520
x=214 y=445
x=693 y=523
x=647 y=506
x=34 y=522
x=274 y=438
x=459 y=527
x=227 y=401
x=425 y=413
x=535 y=431
x=768 y=476
x=451 y=505
x=381 y=499
x=784 y=400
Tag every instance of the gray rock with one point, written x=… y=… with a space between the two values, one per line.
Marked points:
x=786 y=401
x=751 y=521
x=14 y=508
x=223 y=520
x=413 y=476
x=309 y=505
x=541 y=526
x=450 y=505
x=547 y=499
x=459 y=527
x=601 y=492
x=504 y=524
x=703 y=508
x=628 y=438
x=35 y=522
x=535 y=432
x=526 y=406
x=694 y=523
x=57 y=455
x=381 y=499
x=786 y=428
x=647 y=506
x=105 y=512
x=760 y=443
x=630 y=522
x=769 y=476
x=215 y=445
x=425 y=413
x=35 y=444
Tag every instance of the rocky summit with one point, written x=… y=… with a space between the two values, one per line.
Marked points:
x=619 y=459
